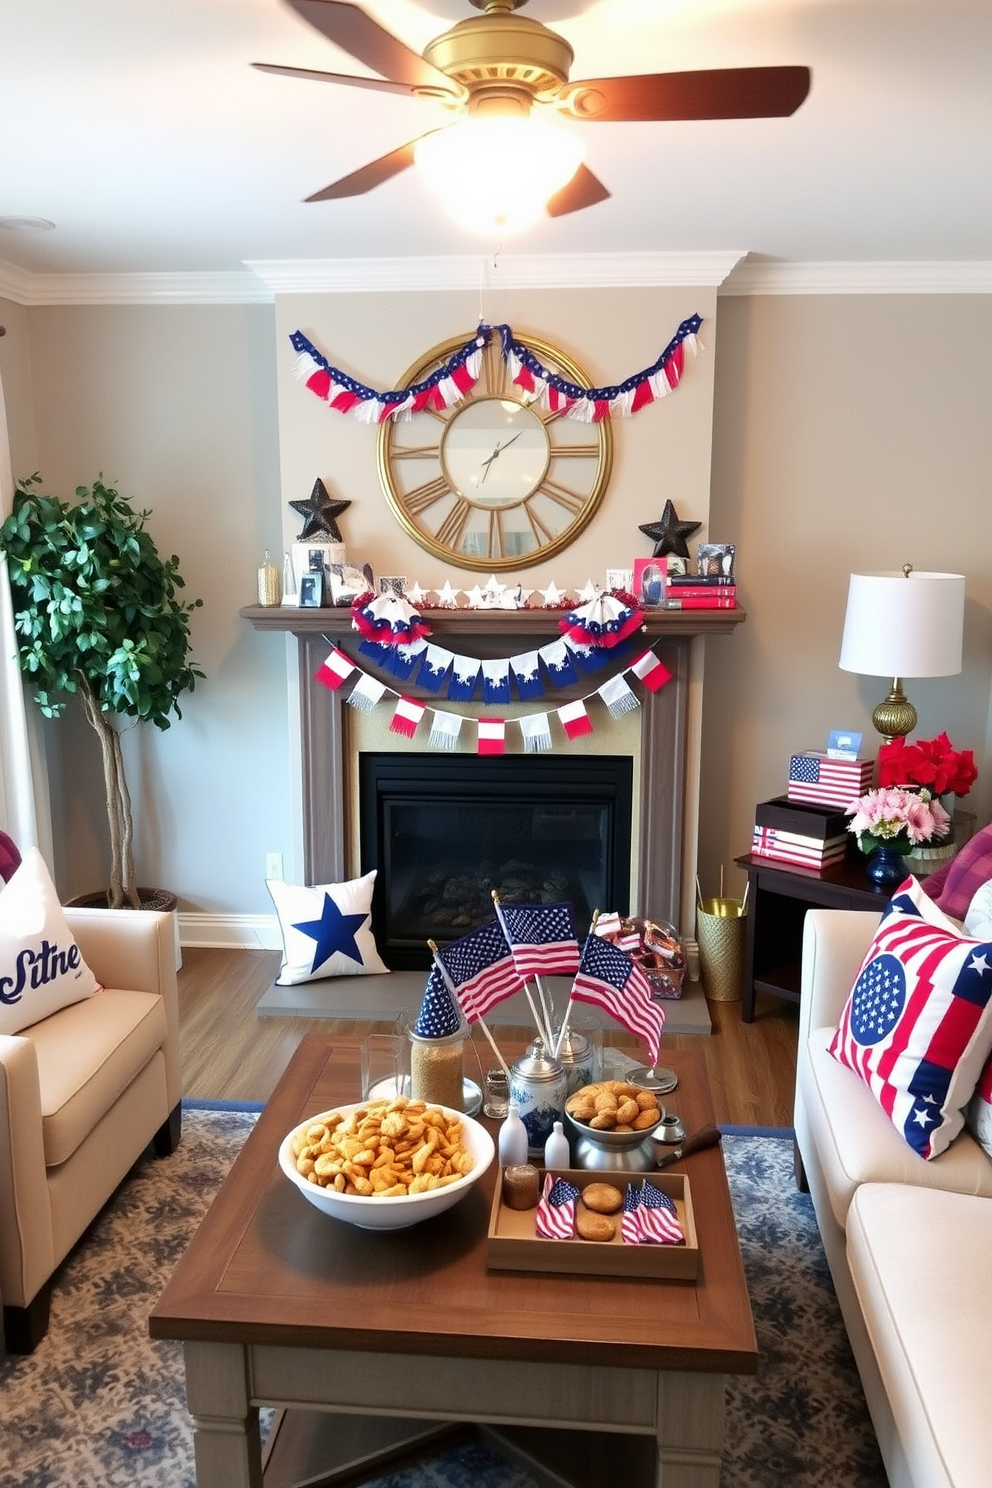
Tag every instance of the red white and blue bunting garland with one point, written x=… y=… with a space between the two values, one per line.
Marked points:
x=449 y=383
x=573 y=717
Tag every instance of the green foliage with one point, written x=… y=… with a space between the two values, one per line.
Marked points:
x=95 y=607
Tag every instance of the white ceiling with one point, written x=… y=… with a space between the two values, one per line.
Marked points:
x=139 y=128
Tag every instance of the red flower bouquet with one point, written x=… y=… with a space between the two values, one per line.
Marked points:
x=934 y=763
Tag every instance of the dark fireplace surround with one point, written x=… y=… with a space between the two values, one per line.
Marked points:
x=330 y=760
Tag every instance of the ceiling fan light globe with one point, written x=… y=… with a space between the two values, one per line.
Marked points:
x=495 y=174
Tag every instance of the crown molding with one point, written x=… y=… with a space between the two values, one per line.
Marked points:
x=25 y=287
x=731 y=273
x=514 y=271
x=884 y=277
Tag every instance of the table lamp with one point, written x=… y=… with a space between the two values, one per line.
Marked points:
x=898 y=625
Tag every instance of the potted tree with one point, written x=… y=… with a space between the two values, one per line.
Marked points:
x=97 y=615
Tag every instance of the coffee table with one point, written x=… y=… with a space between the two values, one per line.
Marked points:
x=605 y=1378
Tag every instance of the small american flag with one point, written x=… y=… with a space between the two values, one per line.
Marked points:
x=659 y=1218
x=481 y=969
x=608 y=978
x=555 y=1218
x=438 y=1017
x=630 y=1224
x=828 y=782
x=542 y=938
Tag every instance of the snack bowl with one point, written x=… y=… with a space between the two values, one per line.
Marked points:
x=404 y=1210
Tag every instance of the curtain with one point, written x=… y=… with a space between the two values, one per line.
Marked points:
x=24 y=804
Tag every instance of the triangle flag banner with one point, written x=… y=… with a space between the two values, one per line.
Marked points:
x=366 y=693
x=536 y=732
x=496 y=681
x=492 y=736
x=406 y=717
x=445 y=729
x=334 y=669
x=652 y=672
x=575 y=720
x=618 y=697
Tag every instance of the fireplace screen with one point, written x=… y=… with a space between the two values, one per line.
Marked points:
x=444 y=831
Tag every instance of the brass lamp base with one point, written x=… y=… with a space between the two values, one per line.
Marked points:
x=895 y=717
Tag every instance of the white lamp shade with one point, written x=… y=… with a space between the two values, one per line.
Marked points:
x=495 y=173
x=899 y=626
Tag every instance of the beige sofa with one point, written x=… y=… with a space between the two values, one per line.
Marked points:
x=82 y=1094
x=908 y=1241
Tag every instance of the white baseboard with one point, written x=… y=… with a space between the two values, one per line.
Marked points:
x=244 y=932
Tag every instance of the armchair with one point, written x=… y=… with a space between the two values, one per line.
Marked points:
x=82 y=1094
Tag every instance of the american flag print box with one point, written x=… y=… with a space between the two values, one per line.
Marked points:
x=513 y=1244
x=813 y=776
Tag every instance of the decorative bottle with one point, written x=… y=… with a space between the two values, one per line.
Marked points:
x=269 y=584
x=512 y=1140
x=556 y=1153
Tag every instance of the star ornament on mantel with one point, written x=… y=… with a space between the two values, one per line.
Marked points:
x=320 y=514
x=334 y=931
x=669 y=534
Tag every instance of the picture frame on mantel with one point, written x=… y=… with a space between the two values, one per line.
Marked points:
x=648 y=585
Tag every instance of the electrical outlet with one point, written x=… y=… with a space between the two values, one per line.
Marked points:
x=273 y=866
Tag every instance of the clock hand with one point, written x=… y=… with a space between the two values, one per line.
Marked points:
x=496 y=453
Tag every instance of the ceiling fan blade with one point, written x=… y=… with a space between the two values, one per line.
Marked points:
x=381 y=85
x=583 y=190
x=368 y=177
x=716 y=93
x=358 y=34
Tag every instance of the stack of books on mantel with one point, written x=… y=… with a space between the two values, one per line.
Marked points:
x=700 y=592
x=805 y=836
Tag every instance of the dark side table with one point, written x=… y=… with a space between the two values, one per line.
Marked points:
x=778 y=898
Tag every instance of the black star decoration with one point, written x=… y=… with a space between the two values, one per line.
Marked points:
x=669 y=535
x=320 y=513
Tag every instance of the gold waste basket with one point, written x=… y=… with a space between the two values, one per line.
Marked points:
x=720 y=927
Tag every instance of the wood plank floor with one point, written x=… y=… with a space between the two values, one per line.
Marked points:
x=231 y=1054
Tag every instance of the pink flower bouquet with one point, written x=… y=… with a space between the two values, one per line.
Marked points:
x=902 y=819
x=934 y=763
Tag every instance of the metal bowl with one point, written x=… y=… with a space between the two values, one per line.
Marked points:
x=611 y=1141
x=401 y=1212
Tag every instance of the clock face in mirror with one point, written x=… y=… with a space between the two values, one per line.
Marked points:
x=494 y=482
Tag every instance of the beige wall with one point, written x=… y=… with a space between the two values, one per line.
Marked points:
x=848 y=432
x=663 y=451
x=851 y=433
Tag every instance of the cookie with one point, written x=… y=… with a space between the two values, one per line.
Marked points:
x=589 y=1226
x=602 y=1198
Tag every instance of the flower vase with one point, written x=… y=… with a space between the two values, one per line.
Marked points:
x=886 y=866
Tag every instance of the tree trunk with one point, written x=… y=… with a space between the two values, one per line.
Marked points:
x=122 y=891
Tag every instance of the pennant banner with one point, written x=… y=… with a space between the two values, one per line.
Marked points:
x=450 y=382
x=535 y=731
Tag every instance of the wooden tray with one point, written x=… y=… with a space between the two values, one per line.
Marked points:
x=512 y=1244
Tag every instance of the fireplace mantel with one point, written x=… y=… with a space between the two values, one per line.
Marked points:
x=483 y=624
x=487 y=634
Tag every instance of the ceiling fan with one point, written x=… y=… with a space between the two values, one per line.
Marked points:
x=503 y=64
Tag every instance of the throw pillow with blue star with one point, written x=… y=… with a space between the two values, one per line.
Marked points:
x=326 y=930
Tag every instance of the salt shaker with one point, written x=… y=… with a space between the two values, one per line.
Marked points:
x=512 y=1141
x=556 y=1153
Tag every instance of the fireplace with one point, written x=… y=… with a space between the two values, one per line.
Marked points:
x=444 y=831
x=662 y=846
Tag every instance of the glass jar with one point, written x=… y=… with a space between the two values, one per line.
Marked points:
x=537 y=1086
x=269 y=583
x=437 y=1069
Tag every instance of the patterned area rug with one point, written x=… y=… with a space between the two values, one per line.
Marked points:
x=100 y=1405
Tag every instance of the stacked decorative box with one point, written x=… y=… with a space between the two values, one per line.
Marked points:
x=808 y=826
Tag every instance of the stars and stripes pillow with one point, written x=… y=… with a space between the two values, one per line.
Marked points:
x=917 y=1026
